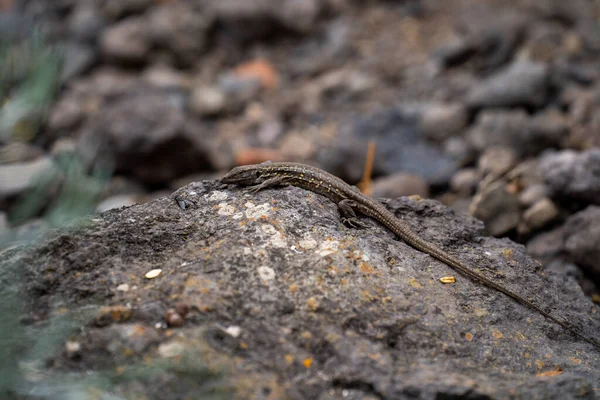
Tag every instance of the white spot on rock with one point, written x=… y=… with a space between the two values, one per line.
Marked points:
x=328 y=247
x=171 y=349
x=266 y=273
x=226 y=209
x=124 y=287
x=233 y=330
x=217 y=195
x=308 y=243
x=268 y=229
x=259 y=211
x=277 y=241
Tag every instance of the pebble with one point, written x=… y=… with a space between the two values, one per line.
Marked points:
x=538 y=215
x=441 y=121
x=127 y=41
x=153 y=273
x=208 y=101
x=532 y=194
x=496 y=161
x=522 y=83
x=19 y=177
x=582 y=238
x=173 y=318
x=464 y=181
x=498 y=208
x=400 y=184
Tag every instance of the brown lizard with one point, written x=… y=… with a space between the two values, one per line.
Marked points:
x=349 y=200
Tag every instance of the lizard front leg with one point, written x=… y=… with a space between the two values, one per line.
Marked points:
x=349 y=217
x=276 y=180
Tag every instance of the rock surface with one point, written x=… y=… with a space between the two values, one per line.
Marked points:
x=573 y=176
x=291 y=303
x=582 y=238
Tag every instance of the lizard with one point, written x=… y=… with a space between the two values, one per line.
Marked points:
x=350 y=201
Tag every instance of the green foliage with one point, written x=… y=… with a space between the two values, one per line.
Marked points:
x=74 y=191
x=29 y=79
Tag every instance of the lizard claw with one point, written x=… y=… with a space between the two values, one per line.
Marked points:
x=354 y=223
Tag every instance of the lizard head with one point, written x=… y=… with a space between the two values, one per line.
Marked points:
x=243 y=175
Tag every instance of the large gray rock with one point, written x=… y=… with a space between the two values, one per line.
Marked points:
x=573 y=176
x=19 y=177
x=582 y=238
x=146 y=133
x=293 y=304
x=523 y=83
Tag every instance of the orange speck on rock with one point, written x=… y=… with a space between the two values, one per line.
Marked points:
x=575 y=360
x=555 y=372
x=366 y=268
x=243 y=345
x=307 y=362
x=539 y=364
x=497 y=334
x=289 y=359
x=468 y=336
x=508 y=253
x=293 y=288
x=414 y=283
x=312 y=304
x=261 y=70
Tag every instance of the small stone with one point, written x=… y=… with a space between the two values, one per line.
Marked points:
x=498 y=208
x=173 y=318
x=582 y=238
x=165 y=77
x=464 y=181
x=118 y=8
x=440 y=121
x=18 y=177
x=63 y=146
x=171 y=349
x=523 y=83
x=496 y=161
x=448 y=279
x=532 y=194
x=127 y=40
x=538 y=215
x=124 y=287
x=233 y=331
x=208 y=100
x=153 y=273
x=15 y=152
x=65 y=114
x=182 y=308
x=72 y=348
x=400 y=184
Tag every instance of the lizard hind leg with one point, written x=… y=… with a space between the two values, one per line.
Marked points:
x=349 y=217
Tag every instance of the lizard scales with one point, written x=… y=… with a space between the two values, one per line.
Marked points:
x=350 y=199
